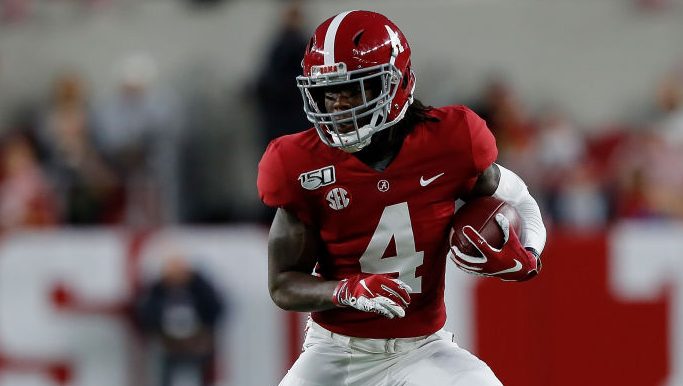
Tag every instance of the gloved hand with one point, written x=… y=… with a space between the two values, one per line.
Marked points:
x=381 y=294
x=512 y=262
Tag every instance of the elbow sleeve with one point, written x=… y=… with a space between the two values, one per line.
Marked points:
x=512 y=189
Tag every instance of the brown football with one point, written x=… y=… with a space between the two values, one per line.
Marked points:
x=480 y=214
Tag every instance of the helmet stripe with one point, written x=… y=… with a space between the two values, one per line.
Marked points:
x=330 y=36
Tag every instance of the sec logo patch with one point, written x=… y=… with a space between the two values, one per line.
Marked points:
x=338 y=198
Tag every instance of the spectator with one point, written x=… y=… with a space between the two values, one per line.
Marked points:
x=505 y=114
x=278 y=98
x=87 y=187
x=580 y=202
x=26 y=199
x=182 y=310
x=139 y=132
x=670 y=104
x=558 y=151
x=648 y=177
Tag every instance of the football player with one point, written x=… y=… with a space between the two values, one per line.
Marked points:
x=365 y=200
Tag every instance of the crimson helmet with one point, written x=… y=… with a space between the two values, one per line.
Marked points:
x=358 y=49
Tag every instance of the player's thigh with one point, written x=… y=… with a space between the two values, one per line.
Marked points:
x=481 y=377
x=319 y=365
x=443 y=363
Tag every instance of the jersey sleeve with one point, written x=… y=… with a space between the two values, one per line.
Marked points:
x=275 y=185
x=472 y=145
x=482 y=141
x=272 y=180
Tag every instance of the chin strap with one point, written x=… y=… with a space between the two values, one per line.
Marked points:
x=342 y=139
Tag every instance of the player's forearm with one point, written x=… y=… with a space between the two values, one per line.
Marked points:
x=512 y=189
x=298 y=291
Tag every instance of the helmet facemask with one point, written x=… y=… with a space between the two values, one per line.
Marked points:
x=366 y=119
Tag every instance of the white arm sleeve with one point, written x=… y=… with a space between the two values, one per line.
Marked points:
x=512 y=189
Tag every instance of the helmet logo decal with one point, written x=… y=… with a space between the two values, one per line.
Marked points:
x=396 y=45
x=338 y=198
x=316 y=178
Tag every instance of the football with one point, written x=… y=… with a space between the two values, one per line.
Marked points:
x=480 y=214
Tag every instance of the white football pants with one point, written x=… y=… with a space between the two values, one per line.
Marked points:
x=337 y=360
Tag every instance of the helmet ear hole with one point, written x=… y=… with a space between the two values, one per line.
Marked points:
x=406 y=76
x=356 y=38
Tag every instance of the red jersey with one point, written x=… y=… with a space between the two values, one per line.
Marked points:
x=394 y=222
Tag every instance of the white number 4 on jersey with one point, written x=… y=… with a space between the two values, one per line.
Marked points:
x=394 y=223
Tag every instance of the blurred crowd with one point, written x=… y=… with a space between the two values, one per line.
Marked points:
x=586 y=178
x=69 y=161
x=147 y=156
